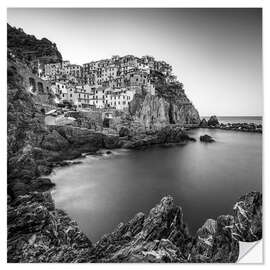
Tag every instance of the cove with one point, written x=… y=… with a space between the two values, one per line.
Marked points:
x=204 y=179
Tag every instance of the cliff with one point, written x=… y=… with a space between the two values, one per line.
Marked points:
x=170 y=105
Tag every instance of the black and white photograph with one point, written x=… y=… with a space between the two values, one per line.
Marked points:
x=134 y=135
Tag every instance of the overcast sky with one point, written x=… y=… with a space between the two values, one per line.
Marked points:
x=216 y=53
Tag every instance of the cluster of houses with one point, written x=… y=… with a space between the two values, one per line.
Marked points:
x=109 y=83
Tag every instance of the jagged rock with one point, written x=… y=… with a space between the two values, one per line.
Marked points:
x=161 y=237
x=157 y=251
x=37 y=232
x=203 y=123
x=110 y=243
x=248 y=217
x=214 y=242
x=206 y=138
x=213 y=121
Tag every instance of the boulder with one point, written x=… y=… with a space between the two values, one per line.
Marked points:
x=124 y=131
x=203 y=123
x=248 y=217
x=206 y=138
x=213 y=121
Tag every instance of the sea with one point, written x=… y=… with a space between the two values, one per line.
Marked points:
x=204 y=179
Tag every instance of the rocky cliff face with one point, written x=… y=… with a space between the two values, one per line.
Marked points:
x=170 y=105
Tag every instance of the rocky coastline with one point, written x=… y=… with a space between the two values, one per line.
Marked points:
x=38 y=232
x=213 y=123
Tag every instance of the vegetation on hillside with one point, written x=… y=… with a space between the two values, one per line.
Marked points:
x=28 y=47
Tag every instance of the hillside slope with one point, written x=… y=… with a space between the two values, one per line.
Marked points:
x=29 y=48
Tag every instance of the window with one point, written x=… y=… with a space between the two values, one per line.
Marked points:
x=70 y=95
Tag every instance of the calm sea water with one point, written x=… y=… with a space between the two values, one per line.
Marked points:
x=205 y=179
x=238 y=119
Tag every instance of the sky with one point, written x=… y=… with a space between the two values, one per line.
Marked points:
x=215 y=53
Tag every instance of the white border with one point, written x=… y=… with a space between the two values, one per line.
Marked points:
x=139 y=3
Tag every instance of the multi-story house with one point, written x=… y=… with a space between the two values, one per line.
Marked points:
x=53 y=69
x=73 y=70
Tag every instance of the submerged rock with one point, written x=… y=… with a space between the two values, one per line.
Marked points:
x=248 y=217
x=206 y=138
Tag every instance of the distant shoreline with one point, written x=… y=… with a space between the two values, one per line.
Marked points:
x=259 y=117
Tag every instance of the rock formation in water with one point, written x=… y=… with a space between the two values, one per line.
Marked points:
x=203 y=123
x=213 y=121
x=170 y=105
x=206 y=138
